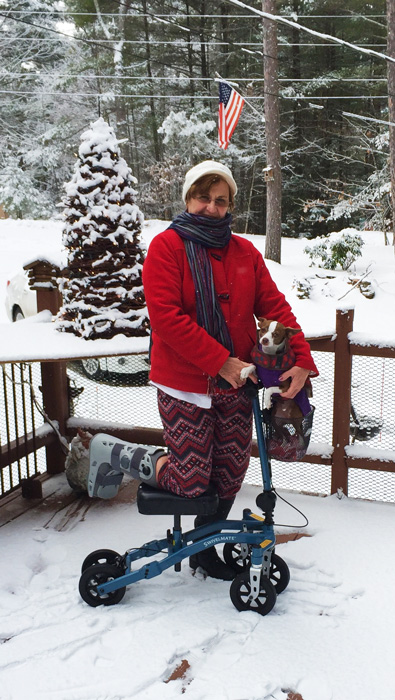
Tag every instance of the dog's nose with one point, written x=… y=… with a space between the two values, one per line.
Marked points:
x=264 y=341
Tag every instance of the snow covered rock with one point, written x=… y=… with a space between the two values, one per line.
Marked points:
x=77 y=462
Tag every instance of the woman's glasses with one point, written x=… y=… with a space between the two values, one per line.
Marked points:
x=220 y=202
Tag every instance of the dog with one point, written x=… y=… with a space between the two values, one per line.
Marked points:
x=290 y=419
x=273 y=339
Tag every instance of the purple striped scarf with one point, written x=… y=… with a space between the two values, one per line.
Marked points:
x=200 y=233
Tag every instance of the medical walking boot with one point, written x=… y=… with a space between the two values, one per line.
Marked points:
x=110 y=458
x=208 y=559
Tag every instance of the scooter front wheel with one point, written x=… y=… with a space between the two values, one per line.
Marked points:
x=240 y=594
x=240 y=561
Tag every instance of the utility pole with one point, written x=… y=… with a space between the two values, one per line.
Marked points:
x=272 y=119
x=391 y=102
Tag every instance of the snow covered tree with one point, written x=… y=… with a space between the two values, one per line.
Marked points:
x=102 y=285
x=34 y=155
x=18 y=194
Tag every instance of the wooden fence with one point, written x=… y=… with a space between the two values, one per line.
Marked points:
x=56 y=402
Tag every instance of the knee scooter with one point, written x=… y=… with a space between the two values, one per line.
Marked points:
x=249 y=543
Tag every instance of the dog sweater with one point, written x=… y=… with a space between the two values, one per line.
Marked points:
x=270 y=368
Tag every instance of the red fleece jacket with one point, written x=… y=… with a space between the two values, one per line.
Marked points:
x=184 y=356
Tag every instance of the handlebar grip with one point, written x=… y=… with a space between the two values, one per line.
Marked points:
x=250 y=388
x=223 y=383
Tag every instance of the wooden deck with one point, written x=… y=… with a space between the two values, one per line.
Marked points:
x=60 y=507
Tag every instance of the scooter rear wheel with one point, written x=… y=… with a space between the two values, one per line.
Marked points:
x=240 y=594
x=232 y=554
x=95 y=576
x=101 y=556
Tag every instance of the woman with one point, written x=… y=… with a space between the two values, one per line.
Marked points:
x=203 y=287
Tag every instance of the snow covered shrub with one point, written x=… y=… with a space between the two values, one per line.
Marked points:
x=102 y=285
x=340 y=249
x=303 y=288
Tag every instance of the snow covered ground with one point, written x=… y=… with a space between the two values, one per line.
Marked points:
x=330 y=635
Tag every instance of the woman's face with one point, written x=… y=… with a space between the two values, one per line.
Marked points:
x=215 y=203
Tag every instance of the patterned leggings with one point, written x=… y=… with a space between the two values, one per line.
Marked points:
x=206 y=445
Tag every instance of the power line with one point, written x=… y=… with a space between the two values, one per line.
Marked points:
x=108 y=43
x=104 y=45
x=295 y=25
x=173 y=42
x=152 y=15
x=190 y=97
x=187 y=16
x=68 y=36
x=81 y=76
x=196 y=97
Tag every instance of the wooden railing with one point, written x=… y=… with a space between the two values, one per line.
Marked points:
x=55 y=396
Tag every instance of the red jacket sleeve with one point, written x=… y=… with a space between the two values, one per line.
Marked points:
x=163 y=274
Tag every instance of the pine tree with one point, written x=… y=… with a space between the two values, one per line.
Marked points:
x=34 y=158
x=102 y=285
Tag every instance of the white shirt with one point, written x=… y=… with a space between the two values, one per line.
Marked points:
x=202 y=400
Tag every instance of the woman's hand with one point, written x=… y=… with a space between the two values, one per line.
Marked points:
x=231 y=369
x=298 y=377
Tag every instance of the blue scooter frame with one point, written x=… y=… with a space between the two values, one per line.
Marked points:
x=248 y=547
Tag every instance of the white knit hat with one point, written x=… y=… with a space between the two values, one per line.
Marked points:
x=208 y=167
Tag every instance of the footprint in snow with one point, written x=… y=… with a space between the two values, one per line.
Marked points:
x=315 y=592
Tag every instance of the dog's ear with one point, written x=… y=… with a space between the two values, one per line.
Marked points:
x=262 y=322
x=289 y=332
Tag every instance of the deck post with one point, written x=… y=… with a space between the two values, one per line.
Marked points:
x=43 y=280
x=341 y=400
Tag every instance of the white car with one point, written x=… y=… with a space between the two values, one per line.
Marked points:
x=21 y=302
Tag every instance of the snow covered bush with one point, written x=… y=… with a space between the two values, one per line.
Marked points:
x=303 y=288
x=102 y=285
x=340 y=249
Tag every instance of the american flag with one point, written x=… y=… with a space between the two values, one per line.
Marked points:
x=230 y=106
